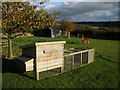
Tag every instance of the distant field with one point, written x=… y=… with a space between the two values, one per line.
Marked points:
x=103 y=73
x=95 y=27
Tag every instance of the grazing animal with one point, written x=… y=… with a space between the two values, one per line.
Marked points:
x=85 y=39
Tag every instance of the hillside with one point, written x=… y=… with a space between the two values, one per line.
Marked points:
x=101 y=24
x=103 y=73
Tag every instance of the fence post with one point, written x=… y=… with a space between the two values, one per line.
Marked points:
x=93 y=54
x=72 y=61
x=37 y=75
x=81 y=60
x=62 y=68
x=36 y=72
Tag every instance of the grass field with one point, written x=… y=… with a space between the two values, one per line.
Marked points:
x=103 y=73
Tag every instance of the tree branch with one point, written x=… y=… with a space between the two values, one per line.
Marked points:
x=16 y=35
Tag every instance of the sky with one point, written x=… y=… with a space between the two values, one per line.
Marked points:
x=82 y=10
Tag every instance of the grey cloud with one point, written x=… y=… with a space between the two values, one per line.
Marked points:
x=76 y=10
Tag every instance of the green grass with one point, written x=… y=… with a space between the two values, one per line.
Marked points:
x=95 y=27
x=103 y=73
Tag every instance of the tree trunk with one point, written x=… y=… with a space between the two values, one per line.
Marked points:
x=65 y=33
x=10 y=53
x=68 y=34
x=78 y=35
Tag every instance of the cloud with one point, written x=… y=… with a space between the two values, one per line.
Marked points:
x=75 y=10
x=84 y=0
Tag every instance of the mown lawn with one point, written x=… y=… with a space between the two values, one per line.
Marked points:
x=103 y=73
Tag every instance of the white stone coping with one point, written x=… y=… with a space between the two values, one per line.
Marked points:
x=44 y=43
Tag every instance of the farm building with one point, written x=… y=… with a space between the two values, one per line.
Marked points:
x=48 y=32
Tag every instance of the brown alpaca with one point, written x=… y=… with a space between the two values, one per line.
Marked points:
x=85 y=39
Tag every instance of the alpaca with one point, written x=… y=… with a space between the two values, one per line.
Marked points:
x=85 y=39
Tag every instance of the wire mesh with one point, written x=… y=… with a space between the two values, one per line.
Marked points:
x=48 y=73
x=67 y=63
x=91 y=55
x=43 y=74
x=77 y=60
x=84 y=58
